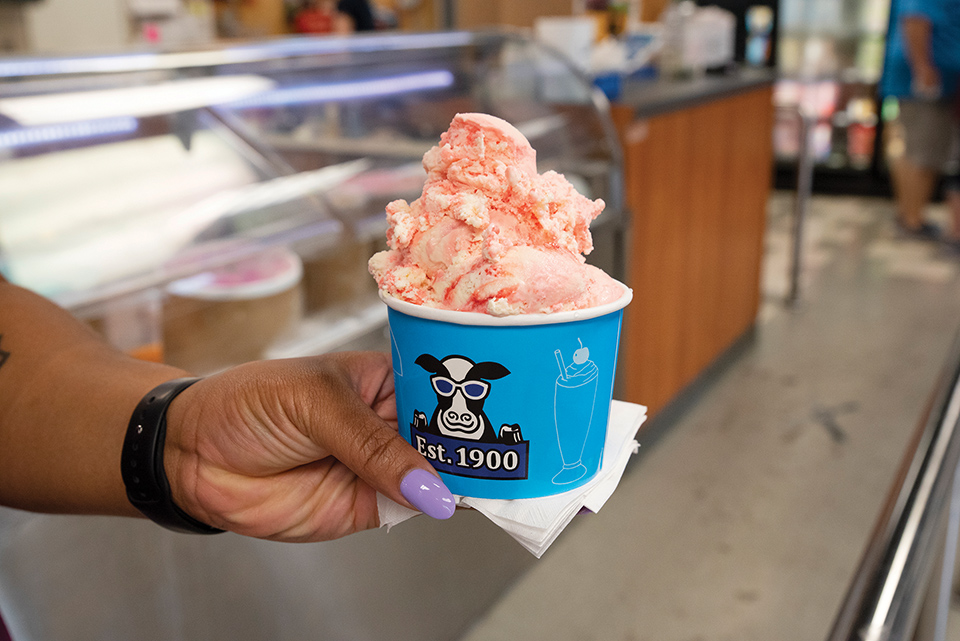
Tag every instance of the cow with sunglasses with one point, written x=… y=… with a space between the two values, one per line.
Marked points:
x=461 y=387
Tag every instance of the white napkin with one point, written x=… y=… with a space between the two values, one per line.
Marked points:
x=536 y=523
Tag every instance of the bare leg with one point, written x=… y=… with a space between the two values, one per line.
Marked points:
x=913 y=188
x=953 y=202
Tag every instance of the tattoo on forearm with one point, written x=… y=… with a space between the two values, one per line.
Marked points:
x=3 y=355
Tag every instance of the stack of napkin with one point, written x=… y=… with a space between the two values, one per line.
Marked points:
x=536 y=523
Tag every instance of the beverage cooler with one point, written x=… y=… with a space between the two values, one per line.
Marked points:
x=830 y=59
x=206 y=208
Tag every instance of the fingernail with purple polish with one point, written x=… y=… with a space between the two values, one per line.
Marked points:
x=428 y=494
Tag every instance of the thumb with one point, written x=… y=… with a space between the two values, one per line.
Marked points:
x=353 y=433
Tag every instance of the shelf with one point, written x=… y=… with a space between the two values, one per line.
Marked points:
x=842 y=33
x=786 y=162
x=390 y=146
x=847 y=76
x=326 y=331
x=372 y=146
x=835 y=180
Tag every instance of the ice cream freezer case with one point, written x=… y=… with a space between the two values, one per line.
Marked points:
x=206 y=208
x=211 y=207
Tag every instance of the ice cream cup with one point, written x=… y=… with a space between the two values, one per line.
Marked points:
x=506 y=407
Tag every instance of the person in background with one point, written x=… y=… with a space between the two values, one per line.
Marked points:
x=923 y=71
x=321 y=17
x=952 y=182
x=359 y=12
x=287 y=450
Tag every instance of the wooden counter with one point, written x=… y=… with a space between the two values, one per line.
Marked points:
x=697 y=181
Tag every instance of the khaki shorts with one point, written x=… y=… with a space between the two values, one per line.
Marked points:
x=931 y=133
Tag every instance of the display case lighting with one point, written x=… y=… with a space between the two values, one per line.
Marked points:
x=148 y=100
x=26 y=67
x=289 y=47
x=31 y=136
x=329 y=92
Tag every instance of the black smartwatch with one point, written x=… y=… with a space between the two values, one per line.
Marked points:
x=142 y=461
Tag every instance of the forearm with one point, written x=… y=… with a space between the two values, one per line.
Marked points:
x=65 y=400
x=917 y=41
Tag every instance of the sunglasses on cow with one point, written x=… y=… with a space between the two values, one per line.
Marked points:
x=473 y=390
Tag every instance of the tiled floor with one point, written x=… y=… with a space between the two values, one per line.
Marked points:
x=746 y=518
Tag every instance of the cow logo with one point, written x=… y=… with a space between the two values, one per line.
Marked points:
x=459 y=437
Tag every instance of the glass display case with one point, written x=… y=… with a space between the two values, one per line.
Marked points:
x=209 y=207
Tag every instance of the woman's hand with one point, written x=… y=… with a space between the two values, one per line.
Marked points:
x=296 y=450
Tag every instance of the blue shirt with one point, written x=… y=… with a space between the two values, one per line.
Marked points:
x=944 y=17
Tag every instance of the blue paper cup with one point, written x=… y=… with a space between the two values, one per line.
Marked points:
x=506 y=407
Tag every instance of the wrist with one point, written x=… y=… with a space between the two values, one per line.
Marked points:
x=143 y=465
x=181 y=459
x=138 y=379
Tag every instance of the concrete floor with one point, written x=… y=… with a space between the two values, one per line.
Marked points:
x=746 y=517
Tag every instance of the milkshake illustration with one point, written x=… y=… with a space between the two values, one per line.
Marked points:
x=575 y=393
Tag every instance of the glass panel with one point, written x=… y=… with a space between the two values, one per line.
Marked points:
x=155 y=166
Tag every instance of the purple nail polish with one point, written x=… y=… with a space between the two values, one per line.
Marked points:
x=428 y=494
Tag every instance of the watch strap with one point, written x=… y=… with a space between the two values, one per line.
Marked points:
x=142 y=461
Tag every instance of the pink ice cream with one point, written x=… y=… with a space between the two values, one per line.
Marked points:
x=489 y=234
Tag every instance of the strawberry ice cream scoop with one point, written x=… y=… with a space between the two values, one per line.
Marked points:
x=489 y=234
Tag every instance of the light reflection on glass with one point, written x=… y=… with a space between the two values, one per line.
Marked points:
x=328 y=92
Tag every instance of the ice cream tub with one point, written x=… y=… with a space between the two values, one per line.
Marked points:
x=506 y=407
x=232 y=314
